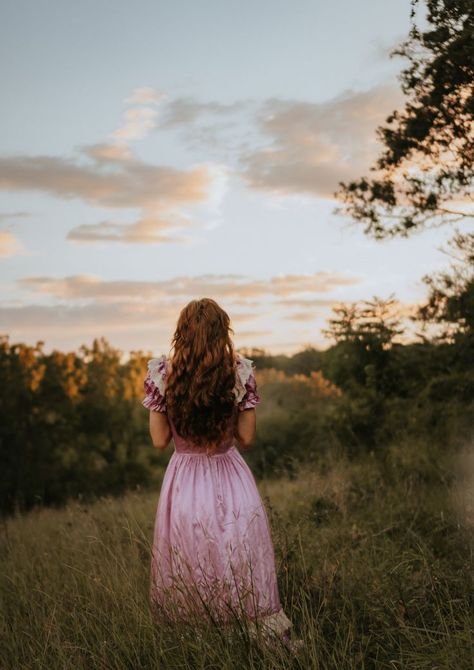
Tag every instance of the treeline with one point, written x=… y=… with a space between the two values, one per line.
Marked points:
x=390 y=392
x=73 y=424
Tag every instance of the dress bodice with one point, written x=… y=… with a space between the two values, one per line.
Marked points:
x=245 y=393
x=185 y=446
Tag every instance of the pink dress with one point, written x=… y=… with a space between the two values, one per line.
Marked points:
x=212 y=550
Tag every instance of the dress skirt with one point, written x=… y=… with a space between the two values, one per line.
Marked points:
x=212 y=554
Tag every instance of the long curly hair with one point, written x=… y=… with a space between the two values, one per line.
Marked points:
x=199 y=390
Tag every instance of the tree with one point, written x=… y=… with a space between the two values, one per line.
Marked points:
x=450 y=303
x=425 y=175
x=364 y=337
x=373 y=326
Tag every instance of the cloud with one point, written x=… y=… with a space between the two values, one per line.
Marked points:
x=313 y=146
x=114 y=178
x=136 y=124
x=138 y=121
x=108 y=152
x=134 y=325
x=252 y=334
x=305 y=147
x=145 y=95
x=156 y=190
x=81 y=306
x=9 y=244
x=6 y=216
x=209 y=126
x=183 y=111
x=115 y=305
x=133 y=184
x=150 y=229
x=301 y=316
x=241 y=317
x=308 y=148
x=98 y=317
x=303 y=302
x=219 y=286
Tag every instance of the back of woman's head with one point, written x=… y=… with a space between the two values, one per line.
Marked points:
x=199 y=392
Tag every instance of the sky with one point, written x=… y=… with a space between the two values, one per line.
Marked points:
x=161 y=151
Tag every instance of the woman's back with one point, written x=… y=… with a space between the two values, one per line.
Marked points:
x=246 y=397
x=184 y=445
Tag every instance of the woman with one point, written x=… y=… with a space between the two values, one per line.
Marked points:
x=212 y=550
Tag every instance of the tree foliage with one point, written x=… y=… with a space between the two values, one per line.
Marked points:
x=71 y=424
x=425 y=174
x=450 y=303
x=374 y=325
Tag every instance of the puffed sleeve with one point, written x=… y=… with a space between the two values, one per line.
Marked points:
x=246 y=384
x=251 y=397
x=155 y=384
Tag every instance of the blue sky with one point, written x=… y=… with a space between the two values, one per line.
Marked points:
x=156 y=152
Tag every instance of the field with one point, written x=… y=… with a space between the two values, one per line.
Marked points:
x=375 y=568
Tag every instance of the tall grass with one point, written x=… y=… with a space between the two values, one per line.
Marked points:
x=374 y=559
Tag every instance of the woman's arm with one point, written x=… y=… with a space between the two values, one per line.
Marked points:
x=245 y=427
x=160 y=429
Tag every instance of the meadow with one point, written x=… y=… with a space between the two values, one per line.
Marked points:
x=364 y=461
x=365 y=450
x=374 y=558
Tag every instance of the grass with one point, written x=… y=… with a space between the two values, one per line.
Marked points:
x=374 y=558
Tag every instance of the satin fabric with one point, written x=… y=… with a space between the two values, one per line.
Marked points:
x=212 y=548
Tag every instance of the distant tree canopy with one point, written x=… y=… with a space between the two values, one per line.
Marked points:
x=364 y=338
x=426 y=173
x=450 y=303
x=72 y=424
x=373 y=326
x=302 y=362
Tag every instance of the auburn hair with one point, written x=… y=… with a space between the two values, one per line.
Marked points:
x=199 y=391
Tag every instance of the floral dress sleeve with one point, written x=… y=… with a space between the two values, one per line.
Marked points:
x=245 y=390
x=155 y=384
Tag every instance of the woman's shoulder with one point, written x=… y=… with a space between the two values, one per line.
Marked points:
x=161 y=364
x=157 y=370
x=244 y=365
